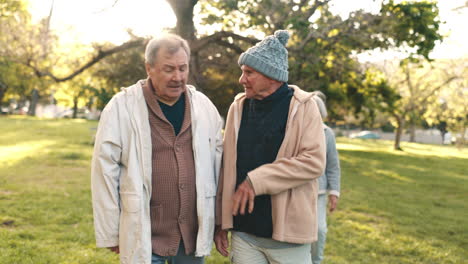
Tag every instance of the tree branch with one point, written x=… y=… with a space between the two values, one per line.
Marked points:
x=204 y=41
x=449 y=80
x=314 y=8
x=315 y=35
x=99 y=56
x=229 y=45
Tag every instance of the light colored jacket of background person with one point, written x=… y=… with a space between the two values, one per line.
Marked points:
x=330 y=180
x=121 y=173
x=291 y=179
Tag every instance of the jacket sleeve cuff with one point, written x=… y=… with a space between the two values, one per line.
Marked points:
x=258 y=189
x=105 y=243
x=247 y=179
x=333 y=192
x=218 y=213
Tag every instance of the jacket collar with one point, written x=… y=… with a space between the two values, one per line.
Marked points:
x=299 y=94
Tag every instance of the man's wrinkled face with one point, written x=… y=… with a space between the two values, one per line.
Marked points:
x=256 y=85
x=169 y=74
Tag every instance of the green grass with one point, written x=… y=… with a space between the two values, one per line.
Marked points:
x=396 y=207
x=45 y=210
x=400 y=207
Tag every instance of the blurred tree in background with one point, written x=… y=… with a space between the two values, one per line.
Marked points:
x=16 y=50
x=448 y=108
x=322 y=51
x=419 y=85
x=34 y=49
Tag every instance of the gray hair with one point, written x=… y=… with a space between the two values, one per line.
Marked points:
x=171 y=42
x=320 y=98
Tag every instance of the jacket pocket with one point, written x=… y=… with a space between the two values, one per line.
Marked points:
x=130 y=225
x=130 y=202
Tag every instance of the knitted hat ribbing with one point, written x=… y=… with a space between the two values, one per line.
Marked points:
x=269 y=56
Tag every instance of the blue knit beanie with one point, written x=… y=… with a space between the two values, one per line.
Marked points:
x=269 y=56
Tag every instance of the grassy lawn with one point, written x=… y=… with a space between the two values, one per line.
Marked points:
x=396 y=207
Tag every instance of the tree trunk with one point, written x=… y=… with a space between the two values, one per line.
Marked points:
x=398 y=132
x=412 y=133
x=183 y=10
x=442 y=133
x=34 y=101
x=3 y=89
x=195 y=73
x=75 y=107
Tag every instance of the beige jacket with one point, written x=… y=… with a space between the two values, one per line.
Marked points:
x=121 y=173
x=291 y=179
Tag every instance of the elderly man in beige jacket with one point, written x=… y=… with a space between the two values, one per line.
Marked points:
x=274 y=151
x=156 y=163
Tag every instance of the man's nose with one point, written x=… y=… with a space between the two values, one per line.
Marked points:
x=242 y=79
x=177 y=76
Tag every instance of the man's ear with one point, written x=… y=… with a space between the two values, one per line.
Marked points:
x=148 y=68
x=275 y=82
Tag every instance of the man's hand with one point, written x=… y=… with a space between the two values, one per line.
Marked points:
x=221 y=241
x=244 y=196
x=332 y=202
x=115 y=249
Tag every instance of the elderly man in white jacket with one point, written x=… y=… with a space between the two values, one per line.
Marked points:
x=156 y=164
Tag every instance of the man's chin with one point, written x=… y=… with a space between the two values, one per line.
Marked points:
x=175 y=94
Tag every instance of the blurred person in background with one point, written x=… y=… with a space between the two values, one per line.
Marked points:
x=329 y=184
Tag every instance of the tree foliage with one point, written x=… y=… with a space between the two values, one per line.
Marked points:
x=119 y=70
x=16 y=81
x=417 y=25
x=34 y=49
x=322 y=49
x=322 y=45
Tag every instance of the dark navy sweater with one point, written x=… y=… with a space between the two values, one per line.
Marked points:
x=261 y=133
x=174 y=113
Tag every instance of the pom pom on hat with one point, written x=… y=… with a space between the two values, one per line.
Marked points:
x=282 y=36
